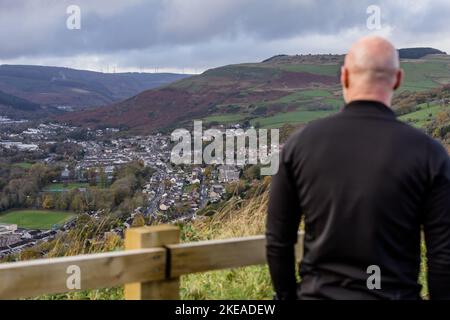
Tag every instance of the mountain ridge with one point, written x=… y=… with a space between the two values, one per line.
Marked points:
x=60 y=87
x=281 y=89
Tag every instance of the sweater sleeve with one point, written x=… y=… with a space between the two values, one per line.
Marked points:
x=282 y=229
x=437 y=227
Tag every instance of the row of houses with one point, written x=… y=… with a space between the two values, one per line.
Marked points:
x=20 y=239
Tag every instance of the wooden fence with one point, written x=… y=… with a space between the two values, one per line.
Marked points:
x=149 y=267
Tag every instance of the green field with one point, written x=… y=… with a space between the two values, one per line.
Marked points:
x=225 y=118
x=335 y=102
x=421 y=117
x=299 y=116
x=424 y=75
x=35 y=219
x=305 y=96
x=316 y=93
x=304 y=99
x=293 y=97
x=24 y=165
x=320 y=69
x=59 y=187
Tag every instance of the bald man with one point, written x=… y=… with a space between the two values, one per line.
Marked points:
x=366 y=185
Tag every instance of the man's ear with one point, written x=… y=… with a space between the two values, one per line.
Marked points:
x=398 y=79
x=344 y=77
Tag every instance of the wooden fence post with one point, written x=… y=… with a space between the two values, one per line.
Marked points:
x=149 y=237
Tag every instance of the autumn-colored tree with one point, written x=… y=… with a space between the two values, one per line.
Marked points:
x=78 y=203
x=443 y=117
x=138 y=221
x=48 y=202
x=91 y=175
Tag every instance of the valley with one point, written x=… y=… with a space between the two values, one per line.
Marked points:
x=38 y=92
x=72 y=182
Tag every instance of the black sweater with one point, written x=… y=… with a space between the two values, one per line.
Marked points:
x=366 y=184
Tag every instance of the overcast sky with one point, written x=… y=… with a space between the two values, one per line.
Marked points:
x=194 y=35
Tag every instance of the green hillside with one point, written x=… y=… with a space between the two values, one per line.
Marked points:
x=282 y=89
x=299 y=106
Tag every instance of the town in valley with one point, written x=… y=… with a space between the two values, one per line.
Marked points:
x=84 y=158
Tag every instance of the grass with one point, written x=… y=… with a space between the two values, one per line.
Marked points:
x=316 y=93
x=238 y=218
x=237 y=284
x=424 y=75
x=59 y=187
x=304 y=95
x=225 y=118
x=243 y=71
x=294 y=117
x=335 y=102
x=293 y=97
x=35 y=219
x=423 y=116
x=24 y=165
x=320 y=69
x=303 y=98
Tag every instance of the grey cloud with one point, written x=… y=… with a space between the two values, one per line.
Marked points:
x=147 y=31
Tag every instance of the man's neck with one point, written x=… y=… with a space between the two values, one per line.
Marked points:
x=386 y=99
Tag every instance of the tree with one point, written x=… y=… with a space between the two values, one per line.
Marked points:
x=122 y=189
x=138 y=221
x=442 y=118
x=102 y=176
x=78 y=204
x=91 y=175
x=48 y=202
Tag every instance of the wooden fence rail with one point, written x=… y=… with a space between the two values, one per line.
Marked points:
x=149 y=268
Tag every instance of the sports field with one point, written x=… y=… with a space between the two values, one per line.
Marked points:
x=60 y=187
x=35 y=219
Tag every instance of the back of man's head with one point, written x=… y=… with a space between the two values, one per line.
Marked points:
x=371 y=71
